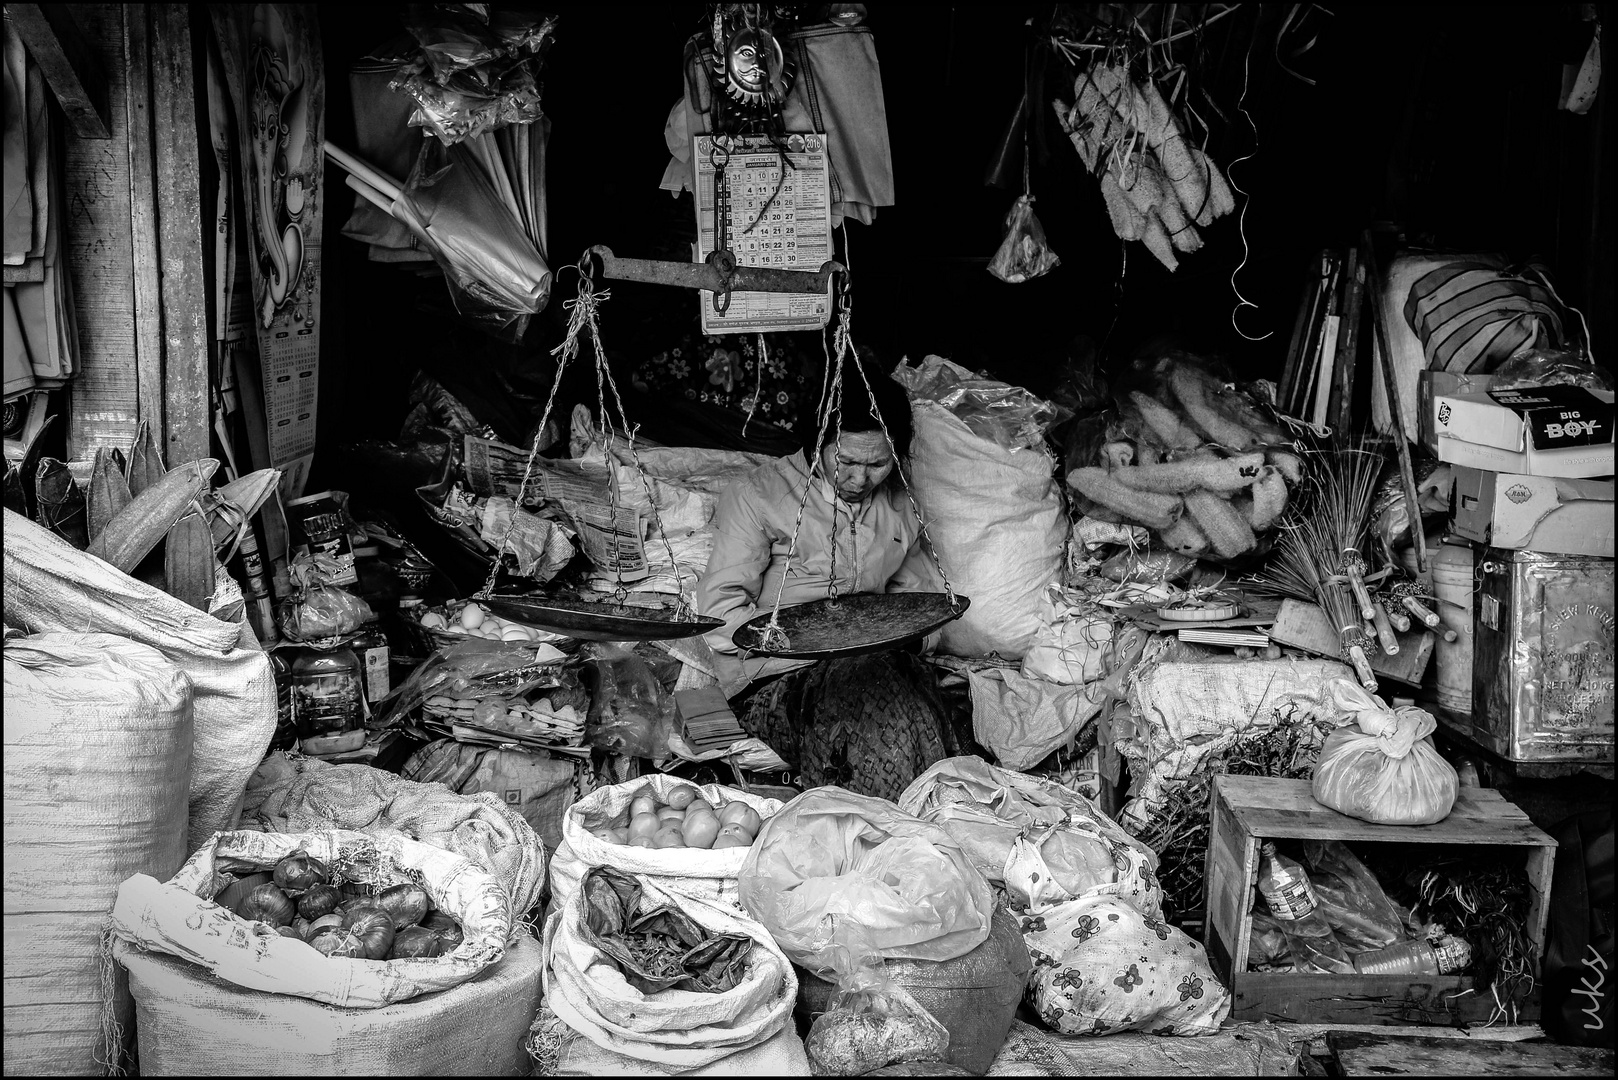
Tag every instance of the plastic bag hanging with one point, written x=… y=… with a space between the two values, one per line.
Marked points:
x=1024 y=253
x=496 y=276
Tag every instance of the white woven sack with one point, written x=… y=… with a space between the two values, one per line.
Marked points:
x=1185 y=712
x=995 y=518
x=49 y=585
x=191 y=1024
x=780 y=1055
x=1071 y=645
x=97 y=764
x=707 y=875
x=304 y=794
x=180 y=919
x=678 y=1028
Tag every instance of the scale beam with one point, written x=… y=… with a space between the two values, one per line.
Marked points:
x=719 y=274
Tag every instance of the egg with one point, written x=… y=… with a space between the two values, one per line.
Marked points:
x=434 y=621
x=472 y=617
x=513 y=633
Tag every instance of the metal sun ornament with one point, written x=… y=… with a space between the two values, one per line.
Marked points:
x=748 y=64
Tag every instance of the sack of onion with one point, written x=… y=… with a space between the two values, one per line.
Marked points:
x=359 y=898
x=692 y=839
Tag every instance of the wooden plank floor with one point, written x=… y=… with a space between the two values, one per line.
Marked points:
x=1370 y=1054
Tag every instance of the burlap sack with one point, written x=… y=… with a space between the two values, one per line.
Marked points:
x=50 y=586
x=190 y=1024
x=180 y=919
x=708 y=875
x=97 y=765
x=294 y=795
x=675 y=1028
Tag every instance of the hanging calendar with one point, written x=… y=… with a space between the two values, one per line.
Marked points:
x=774 y=210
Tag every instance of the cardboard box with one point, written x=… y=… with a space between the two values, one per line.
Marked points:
x=1572 y=462
x=1541 y=513
x=1433 y=384
x=1541 y=431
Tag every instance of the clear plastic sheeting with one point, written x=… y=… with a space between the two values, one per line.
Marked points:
x=1010 y=416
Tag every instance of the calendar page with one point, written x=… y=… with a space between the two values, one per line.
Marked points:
x=780 y=217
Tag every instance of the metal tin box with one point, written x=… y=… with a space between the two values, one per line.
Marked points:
x=1542 y=674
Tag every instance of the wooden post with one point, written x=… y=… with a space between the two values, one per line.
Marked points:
x=69 y=63
x=147 y=328
x=1407 y=472
x=1341 y=411
x=176 y=152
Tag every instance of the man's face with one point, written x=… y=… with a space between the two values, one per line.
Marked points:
x=857 y=462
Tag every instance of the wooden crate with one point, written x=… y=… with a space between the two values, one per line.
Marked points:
x=1247 y=810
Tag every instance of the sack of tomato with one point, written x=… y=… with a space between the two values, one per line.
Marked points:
x=693 y=839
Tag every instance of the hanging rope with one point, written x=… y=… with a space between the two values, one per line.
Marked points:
x=583 y=317
x=579 y=309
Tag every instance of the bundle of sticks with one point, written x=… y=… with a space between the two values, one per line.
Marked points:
x=1320 y=557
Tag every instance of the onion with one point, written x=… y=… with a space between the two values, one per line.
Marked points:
x=319 y=900
x=289 y=931
x=407 y=904
x=302 y=925
x=375 y=931
x=325 y=922
x=416 y=943
x=358 y=906
x=298 y=872
x=447 y=929
x=267 y=904
x=333 y=941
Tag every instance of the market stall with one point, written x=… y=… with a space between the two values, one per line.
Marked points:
x=475 y=613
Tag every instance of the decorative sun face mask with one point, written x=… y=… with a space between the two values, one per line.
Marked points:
x=747 y=56
x=749 y=66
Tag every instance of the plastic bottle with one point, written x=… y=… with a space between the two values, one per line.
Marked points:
x=1416 y=957
x=1291 y=898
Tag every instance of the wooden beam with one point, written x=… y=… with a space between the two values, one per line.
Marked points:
x=147 y=328
x=69 y=62
x=176 y=151
x=102 y=408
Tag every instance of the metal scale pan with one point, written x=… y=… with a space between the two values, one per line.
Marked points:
x=595 y=620
x=851 y=625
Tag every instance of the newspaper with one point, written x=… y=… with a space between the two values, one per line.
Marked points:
x=612 y=540
x=780 y=217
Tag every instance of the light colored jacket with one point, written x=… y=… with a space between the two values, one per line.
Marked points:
x=753 y=524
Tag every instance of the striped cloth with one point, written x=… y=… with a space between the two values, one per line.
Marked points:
x=1474 y=314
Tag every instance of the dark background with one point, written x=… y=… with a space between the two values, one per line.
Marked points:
x=1439 y=120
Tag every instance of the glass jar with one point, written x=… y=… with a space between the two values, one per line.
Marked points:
x=286 y=729
x=328 y=690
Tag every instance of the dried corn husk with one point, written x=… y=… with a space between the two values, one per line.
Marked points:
x=109 y=491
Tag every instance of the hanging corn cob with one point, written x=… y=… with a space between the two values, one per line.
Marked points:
x=1157 y=186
